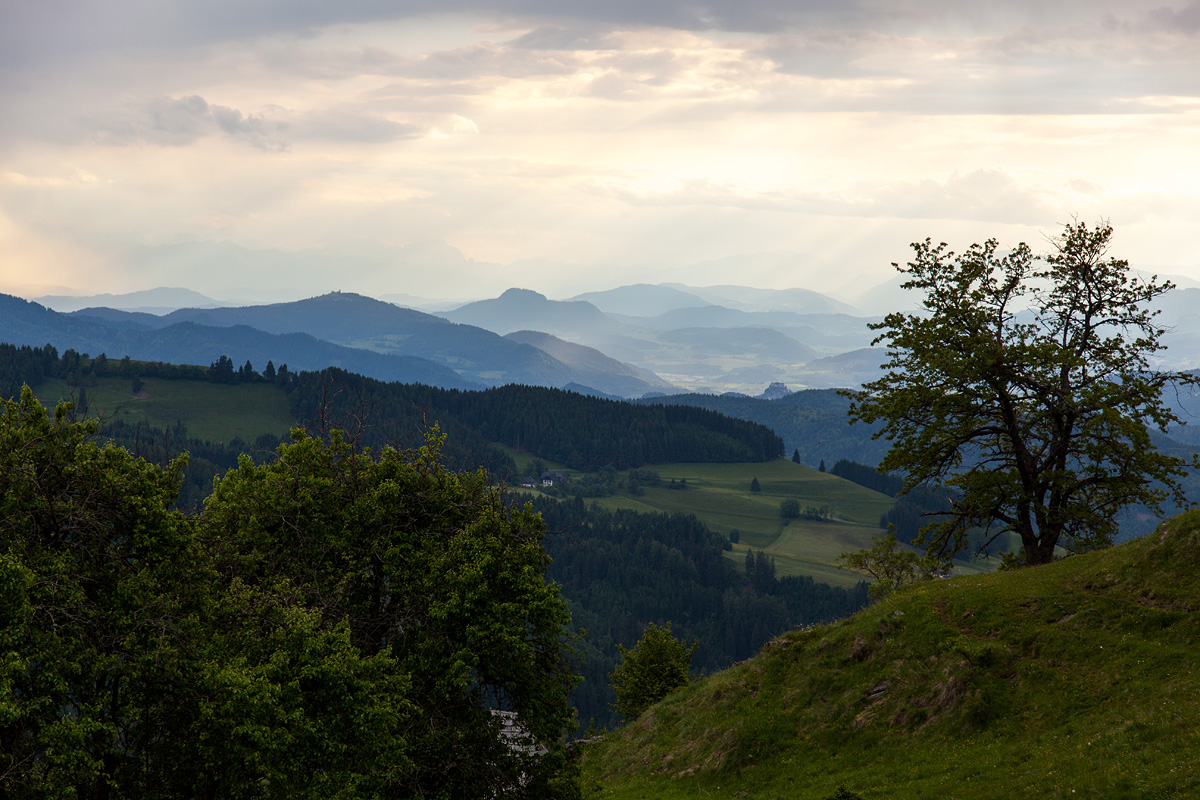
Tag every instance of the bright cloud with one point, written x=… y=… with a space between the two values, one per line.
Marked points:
x=584 y=141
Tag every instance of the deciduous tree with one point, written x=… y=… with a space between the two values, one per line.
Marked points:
x=1025 y=383
x=891 y=565
x=656 y=666
x=431 y=570
x=334 y=624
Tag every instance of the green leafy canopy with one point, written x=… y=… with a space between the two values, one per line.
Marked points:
x=333 y=624
x=1025 y=383
x=656 y=666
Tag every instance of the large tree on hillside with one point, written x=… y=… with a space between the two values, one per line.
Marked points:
x=1025 y=383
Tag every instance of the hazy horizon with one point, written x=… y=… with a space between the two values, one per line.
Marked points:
x=434 y=148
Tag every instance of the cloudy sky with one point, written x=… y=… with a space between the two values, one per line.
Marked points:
x=457 y=148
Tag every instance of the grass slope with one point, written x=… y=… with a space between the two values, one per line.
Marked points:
x=719 y=494
x=1076 y=679
x=211 y=411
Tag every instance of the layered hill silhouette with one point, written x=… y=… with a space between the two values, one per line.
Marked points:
x=749 y=298
x=713 y=339
x=465 y=354
x=606 y=371
x=186 y=342
x=642 y=299
x=154 y=301
x=685 y=338
x=522 y=309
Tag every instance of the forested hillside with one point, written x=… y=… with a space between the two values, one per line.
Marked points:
x=812 y=421
x=621 y=570
x=579 y=431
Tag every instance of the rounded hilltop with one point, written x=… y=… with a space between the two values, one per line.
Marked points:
x=1077 y=675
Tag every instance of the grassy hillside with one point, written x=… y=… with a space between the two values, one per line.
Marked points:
x=1076 y=679
x=719 y=494
x=211 y=411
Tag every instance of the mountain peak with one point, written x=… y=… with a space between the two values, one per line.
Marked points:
x=522 y=294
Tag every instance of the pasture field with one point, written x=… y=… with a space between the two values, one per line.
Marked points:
x=211 y=411
x=719 y=494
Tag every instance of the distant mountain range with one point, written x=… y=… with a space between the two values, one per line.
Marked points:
x=350 y=331
x=747 y=298
x=605 y=371
x=688 y=339
x=642 y=300
x=628 y=341
x=185 y=342
x=152 y=301
x=522 y=309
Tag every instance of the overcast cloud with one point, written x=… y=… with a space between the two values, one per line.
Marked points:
x=413 y=147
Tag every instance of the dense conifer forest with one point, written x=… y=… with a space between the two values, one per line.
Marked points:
x=620 y=570
x=580 y=431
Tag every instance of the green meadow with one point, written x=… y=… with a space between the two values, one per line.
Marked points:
x=719 y=494
x=210 y=411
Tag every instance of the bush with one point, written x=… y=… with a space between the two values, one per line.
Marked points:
x=656 y=666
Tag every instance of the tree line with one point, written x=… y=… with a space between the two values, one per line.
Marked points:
x=583 y=432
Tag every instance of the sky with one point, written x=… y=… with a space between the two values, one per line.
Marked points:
x=453 y=149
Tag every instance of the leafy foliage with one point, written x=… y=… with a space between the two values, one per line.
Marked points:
x=94 y=669
x=428 y=568
x=1040 y=418
x=890 y=565
x=332 y=625
x=656 y=666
